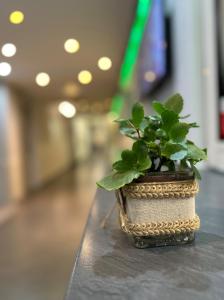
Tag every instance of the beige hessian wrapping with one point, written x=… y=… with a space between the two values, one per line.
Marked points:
x=158 y=208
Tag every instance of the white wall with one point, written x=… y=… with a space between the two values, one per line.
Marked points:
x=35 y=145
x=81 y=137
x=187 y=61
x=49 y=144
x=12 y=168
x=4 y=184
x=189 y=28
x=210 y=84
x=186 y=54
x=195 y=76
x=15 y=146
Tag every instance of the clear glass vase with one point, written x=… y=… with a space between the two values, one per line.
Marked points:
x=163 y=240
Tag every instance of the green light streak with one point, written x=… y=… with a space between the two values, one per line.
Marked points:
x=132 y=51
x=117 y=104
x=134 y=42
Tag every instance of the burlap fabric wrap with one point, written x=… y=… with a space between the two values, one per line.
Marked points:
x=158 y=208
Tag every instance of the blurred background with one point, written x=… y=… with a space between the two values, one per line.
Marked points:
x=68 y=69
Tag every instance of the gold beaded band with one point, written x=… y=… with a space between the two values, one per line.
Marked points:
x=172 y=189
x=159 y=228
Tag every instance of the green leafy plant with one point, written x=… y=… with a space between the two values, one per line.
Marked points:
x=160 y=144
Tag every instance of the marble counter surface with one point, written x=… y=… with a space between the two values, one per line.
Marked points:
x=109 y=267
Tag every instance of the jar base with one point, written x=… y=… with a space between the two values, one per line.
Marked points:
x=142 y=242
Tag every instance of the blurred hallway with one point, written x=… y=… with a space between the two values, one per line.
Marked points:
x=37 y=244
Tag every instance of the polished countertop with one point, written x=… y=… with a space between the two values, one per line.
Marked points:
x=109 y=267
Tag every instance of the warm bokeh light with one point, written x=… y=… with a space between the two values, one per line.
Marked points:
x=16 y=17
x=150 y=76
x=70 y=89
x=104 y=63
x=67 y=109
x=42 y=79
x=85 y=77
x=71 y=46
x=5 y=69
x=9 y=50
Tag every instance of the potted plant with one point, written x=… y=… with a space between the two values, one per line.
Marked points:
x=155 y=182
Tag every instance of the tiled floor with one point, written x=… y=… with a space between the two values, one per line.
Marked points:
x=39 y=243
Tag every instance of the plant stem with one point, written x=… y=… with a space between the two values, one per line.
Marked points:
x=137 y=130
x=138 y=133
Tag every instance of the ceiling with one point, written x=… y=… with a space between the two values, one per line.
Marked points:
x=101 y=26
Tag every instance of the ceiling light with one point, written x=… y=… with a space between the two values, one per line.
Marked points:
x=42 y=79
x=8 y=50
x=71 y=46
x=104 y=63
x=67 y=109
x=85 y=77
x=5 y=69
x=71 y=89
x=16 y=17
x=150 y=76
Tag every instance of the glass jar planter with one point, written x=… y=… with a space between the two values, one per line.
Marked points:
x=159 y=209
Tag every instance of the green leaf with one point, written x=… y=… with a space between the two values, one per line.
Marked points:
x=195 y=171
x=129 y=161
x=129 y=132
x=117 y=180
x=175 y=103
x=174 y=151
x=206 y=151
x=169 y=118
x=179 y=131
x=149 y=134
x=141 y=150
x=195 y=153
x=121 y=166
x=129 y=156
x=178 y=155
x=158 y=107
x=126 y=128
x=144 y=163
x=139 y=147
x=183 y=164
x=190 y=142
x=154 y=121
x=121 y=121
x=137 y=114
x=184 y=117
x=154 y=148
x=144 y=123
x=161 y=134
x=193 y=125
x=153 y=118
